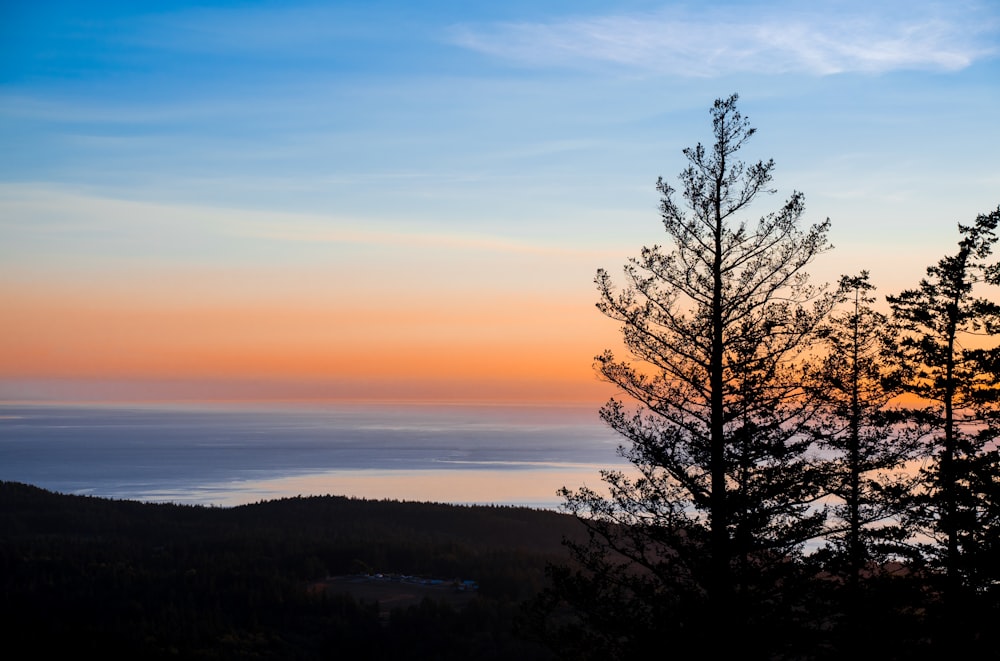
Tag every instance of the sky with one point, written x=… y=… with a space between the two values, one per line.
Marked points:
x=409 y=200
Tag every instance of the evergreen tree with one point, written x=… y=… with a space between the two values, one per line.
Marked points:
x=723 y=490
x=947 y=360
x=868 y=436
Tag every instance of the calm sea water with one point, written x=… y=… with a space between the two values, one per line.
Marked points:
x=239 y=454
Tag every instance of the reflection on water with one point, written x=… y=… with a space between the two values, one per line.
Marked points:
x=234 y=455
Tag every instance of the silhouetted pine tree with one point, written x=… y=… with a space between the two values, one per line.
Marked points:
x=869 y=438
x=947 y=360
x=723 y=493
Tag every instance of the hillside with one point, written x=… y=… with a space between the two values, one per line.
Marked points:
x=123 y=577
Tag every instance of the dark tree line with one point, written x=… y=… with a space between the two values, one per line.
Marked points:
x=128 y=580
x=791 y=446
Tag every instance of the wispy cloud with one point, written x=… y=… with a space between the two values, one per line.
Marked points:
x=841 y=38
x=42 y=215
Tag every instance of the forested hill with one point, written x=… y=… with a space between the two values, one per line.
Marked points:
x=124 y=577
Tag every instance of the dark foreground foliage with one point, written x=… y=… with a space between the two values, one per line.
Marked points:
x=814 y=615
x=122 y=579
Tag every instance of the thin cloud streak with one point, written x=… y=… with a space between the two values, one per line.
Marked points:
x=62 y=212
x=710 y=45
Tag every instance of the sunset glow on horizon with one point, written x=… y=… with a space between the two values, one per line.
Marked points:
x=262 y=201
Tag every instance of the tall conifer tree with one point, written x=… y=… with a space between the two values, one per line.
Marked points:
x=867 y=433
x=716 y=323
x=949 y=361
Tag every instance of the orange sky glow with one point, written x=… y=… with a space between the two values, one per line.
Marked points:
x=504 y=348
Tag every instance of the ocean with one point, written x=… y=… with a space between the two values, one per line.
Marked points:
x=228 y=455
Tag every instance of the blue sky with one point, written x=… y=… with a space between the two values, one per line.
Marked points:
x=435 y=155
